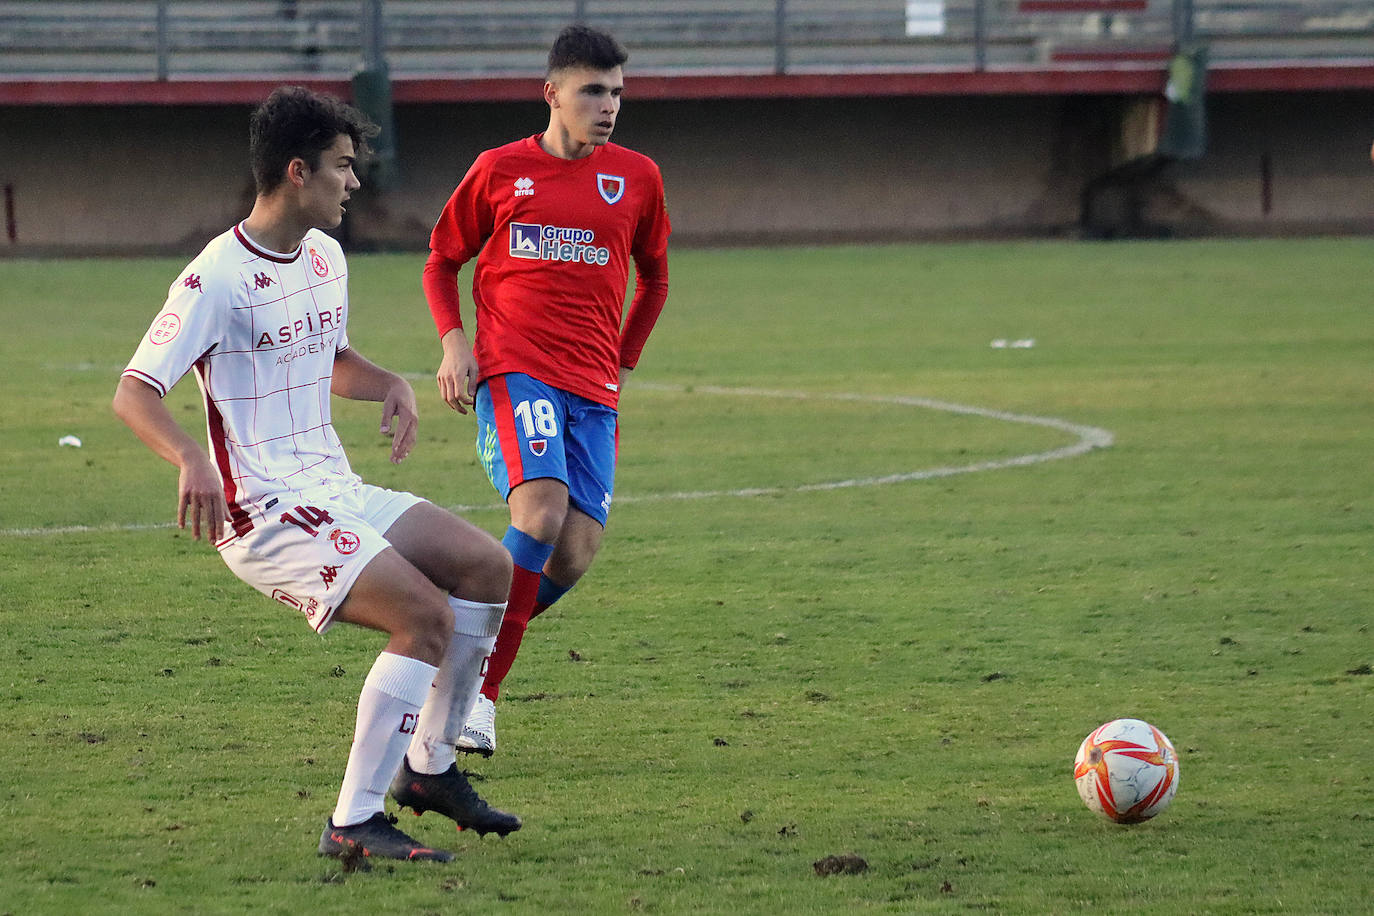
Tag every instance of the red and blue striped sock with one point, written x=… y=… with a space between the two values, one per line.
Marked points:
x=529 y=556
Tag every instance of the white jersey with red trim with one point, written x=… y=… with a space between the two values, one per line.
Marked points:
x=261 y=330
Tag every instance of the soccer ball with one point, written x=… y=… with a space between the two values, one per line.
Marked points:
x=1126 y=771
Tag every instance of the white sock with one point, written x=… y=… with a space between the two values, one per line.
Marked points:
x=387 y=711
x=455 y=687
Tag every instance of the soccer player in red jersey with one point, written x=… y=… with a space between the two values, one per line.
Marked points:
x=261 y=317
x=554 y=221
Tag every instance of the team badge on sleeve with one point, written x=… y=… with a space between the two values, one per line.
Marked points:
x=164 y=329
x=611 y=187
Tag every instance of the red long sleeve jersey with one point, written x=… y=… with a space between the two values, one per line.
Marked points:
x=553 y=240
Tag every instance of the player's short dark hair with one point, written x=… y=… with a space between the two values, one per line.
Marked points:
x=584 y=46
x=295 y=122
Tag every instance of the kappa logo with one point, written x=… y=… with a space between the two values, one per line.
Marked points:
x=329 y=574
x=610 y=187
x=193 y=282
x=538 y=447
x=524 y=187
x=261 y=281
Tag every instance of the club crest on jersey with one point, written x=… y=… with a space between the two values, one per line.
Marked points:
x=610 y=187
x=318 y=262
x=538 y=447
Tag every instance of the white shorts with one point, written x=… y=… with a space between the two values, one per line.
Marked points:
x=308 y=556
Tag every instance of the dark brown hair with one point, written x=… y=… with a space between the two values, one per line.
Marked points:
x=295 y=122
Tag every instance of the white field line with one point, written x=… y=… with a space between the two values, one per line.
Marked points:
x=1087 y=439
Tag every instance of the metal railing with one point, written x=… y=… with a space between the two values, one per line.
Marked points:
x=167 y=39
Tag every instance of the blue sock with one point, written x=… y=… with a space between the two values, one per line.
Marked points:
x=525 y=550
x=549 y=592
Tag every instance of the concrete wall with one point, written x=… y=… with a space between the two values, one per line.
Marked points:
x=150 y=178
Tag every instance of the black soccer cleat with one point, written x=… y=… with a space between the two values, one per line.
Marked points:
x=450 y=794
x=376 y=837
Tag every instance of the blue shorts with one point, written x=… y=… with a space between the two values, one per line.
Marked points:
x=527 y=430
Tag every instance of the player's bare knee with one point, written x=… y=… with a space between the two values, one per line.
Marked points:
x=567 y=567
x=433 y=627
x=543 y=523
x=494 y=575
x=539 y=510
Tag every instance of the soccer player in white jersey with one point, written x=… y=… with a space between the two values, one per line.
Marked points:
x=261 y=316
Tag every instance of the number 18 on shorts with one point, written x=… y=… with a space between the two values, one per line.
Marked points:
x=528 y=430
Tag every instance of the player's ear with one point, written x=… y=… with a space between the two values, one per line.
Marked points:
x=551 y=93
x=295 y=171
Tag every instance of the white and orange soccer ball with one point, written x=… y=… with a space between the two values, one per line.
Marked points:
x=1126 y=771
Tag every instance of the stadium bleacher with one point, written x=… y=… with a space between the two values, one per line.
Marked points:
x=1075 y=101
x=188 y=39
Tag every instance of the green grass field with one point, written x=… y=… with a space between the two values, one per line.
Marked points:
x=763 y=668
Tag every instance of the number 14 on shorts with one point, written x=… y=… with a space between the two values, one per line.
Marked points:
x=307 y=518
x=311 y=519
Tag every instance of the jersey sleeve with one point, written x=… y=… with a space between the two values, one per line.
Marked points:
x=468 y=218
x=464 y=226
x=650 y=252
x=190 y=325
x=654 y=227
x=440 y=284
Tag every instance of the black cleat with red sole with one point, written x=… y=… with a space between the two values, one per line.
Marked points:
x=450 y=794
x=378 y=838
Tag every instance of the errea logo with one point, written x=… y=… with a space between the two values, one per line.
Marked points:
x=535 y=242
x=524 y=187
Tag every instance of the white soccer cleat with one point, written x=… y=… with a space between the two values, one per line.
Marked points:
x=479 y=734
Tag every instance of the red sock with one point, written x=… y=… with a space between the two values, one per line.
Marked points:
x=524 y=586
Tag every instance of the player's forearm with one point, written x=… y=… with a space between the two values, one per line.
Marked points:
x=358 y=379
x=142 y=410
x=455 y=342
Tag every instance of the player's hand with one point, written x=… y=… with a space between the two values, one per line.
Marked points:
x=201 y=496
x=400 y=419
x=457 y=377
